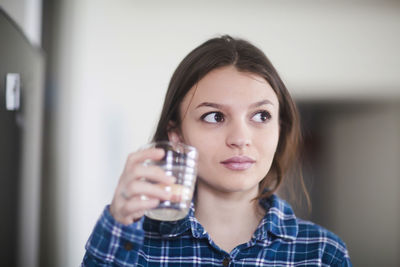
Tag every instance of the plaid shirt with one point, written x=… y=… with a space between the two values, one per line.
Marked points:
x=281 y=239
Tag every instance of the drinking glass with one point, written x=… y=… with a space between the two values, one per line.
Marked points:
x=180 y=161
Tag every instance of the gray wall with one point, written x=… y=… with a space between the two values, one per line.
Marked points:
x=355 y=159
x=23 y=137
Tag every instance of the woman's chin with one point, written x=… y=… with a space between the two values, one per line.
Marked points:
x=230 y=187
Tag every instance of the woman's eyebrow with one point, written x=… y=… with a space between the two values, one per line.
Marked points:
x=262 y=102
x=209 y=104
x=220 y=106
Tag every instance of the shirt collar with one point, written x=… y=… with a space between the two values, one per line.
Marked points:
x=171 y=229
x=279 y=221
x=176 y=228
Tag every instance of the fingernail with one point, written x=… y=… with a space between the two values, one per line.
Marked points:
x=167 y=189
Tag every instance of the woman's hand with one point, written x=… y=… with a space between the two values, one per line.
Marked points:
x=134 y=195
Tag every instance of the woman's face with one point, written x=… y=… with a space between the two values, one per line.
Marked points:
x=232 y=118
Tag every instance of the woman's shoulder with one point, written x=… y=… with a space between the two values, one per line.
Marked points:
x=316 y=232
x=318 y=238
x=282 y=214
x=304 y=238
x=308 y=229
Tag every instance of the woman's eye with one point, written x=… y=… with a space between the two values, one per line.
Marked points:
x=213 y=117
x=261 y=116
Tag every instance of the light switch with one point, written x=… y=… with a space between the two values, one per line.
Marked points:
x=13 y=85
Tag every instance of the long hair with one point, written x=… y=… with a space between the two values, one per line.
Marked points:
x=227 y=51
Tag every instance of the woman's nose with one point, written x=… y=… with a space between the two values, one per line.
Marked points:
x=238 y=135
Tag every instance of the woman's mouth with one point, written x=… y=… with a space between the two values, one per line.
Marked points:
x=238 y=163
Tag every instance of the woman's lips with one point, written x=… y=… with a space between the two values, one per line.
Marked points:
x=238 y=163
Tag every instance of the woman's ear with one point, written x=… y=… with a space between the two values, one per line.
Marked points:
x=174 y=133
x=174 y=137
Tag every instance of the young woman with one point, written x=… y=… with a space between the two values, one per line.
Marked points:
x=227 y=100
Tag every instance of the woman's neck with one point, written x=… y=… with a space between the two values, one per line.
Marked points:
x=229 y=218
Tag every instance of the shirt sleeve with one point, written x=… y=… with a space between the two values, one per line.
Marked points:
x=346 y=262
x=112 y=243
x=341 y=258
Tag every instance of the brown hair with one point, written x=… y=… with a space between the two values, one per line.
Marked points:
x=227 y=51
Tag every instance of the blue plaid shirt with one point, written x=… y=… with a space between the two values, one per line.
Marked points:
x=281 y=239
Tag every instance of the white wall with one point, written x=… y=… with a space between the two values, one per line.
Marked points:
x=115 y=59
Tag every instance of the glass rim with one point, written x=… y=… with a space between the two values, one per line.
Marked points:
x=179 y=147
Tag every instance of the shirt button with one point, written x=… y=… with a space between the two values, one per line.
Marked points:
x=128 y=246
x=226 y=262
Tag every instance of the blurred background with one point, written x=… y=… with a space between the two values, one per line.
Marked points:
x=92 y=77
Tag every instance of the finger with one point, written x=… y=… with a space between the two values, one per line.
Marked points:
x=139 y=188
x=153 y=174
x=141 y=156
x=137 y=206
x=137 y=215
x=132 y=218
